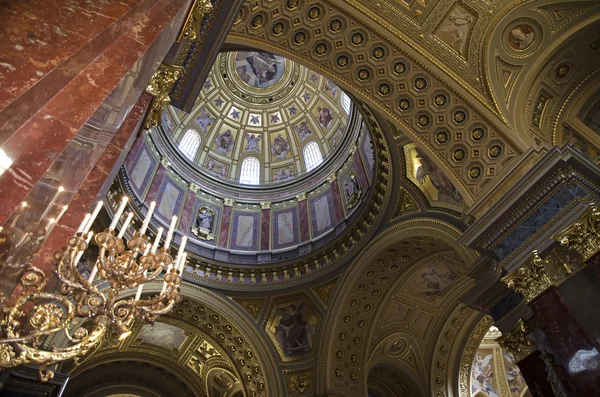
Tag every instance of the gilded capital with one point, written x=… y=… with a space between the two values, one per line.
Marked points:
x=530 y=280
x=517 y=341
x=265 y=205
x=583 y=236
x=160 y=85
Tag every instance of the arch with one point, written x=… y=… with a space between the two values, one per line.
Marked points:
x=312 y=156
x=343 y=334
x=592 y=116
x=250 y=172
x=189 y=144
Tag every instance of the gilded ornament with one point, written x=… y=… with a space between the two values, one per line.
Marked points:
x=357 y=38
x=459 y=116
x=420 y=83
x=314 y=13
x=257 y=21
x=475 y=172
x=160 y=85
x=321 y=49
x=404 y=104
x=364 y=74
x=440 y=100
x=342 y=61
x=530 y=280
x=292 y=4
x=193 y=24
x=459 y=155
x=335 y=25
x=324 y=291
x=562 y=71
x=298 y=384
x=441 y=137
x=399 y=68
x=423 y=120
x=517 y=341
x=299 y=37
x=477 y=134
x=378 y=52
x=495 y=151
x=278 y=28
x=583 y=236
x=384 y=89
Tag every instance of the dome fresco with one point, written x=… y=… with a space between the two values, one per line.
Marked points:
x=260 y=119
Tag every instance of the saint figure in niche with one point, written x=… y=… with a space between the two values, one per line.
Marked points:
x=252 y=141
x=204 y=224
x=352 y=190
x=280 y=147
x=325 y=117
x=224 y=143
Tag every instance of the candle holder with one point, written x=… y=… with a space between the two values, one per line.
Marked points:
x=79 y=308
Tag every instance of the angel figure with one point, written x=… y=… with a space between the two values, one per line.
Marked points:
x=446 y=190
x=264 y=66
x=293 y=329
x=252 y=141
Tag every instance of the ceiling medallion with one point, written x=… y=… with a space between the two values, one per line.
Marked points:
x=423 y=120
x=335 y=25
x=378 y=52
x=257 y=21
x=562 y=71
x=459 y=155
x=321 y=49
x=357 y=38
x=314 y=13
x=399 y=67
x=342 y=61
x=495 y=151
x=278 y=28
x=292 y=4
x=441 y=137
x=384 y=89
x=404 y=104
x=299 y=37
x=420 y=83
x=459 y=116
x=475 y=172
x=364 y=74
x=477 y=134
x=440 y=100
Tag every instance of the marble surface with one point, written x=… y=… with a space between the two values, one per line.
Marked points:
x=225 y=224
x=303 y=213
x=265 y=228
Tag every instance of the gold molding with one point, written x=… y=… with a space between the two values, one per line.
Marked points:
x=159 y=86
x=583 y=235
x=193 y=23
x=517 y=341
x=530 y=280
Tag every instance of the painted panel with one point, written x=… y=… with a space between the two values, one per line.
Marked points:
x=170 y=200
x=163 y=335
x=321 y=213
x=285 y=229
x=244 y=233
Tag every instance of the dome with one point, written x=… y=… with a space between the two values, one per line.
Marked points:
x=260 y=119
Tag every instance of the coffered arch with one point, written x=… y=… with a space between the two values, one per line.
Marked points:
x=392 y=78
x=363 y=297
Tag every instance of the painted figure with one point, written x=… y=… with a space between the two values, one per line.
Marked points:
x=325 y=117
x=457 y=25
x=280 y=147
x=204 y=120
x=252 y=141
x=446 y=190
x=521 y=37
x=303 y=131
x=293 y=329
x=224 y=143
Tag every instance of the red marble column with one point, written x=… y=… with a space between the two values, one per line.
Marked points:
x=338 y=204
x=265 y=229
x=303 y=214
x=571 y=345
x=185 y=220
x=225 y=225
x=360 y=169
x=93 y=62
x=534 y=372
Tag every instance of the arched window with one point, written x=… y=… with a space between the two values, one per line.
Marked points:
x=189 y=144
x=312 y=156
x=346 y=103
x=250 y=174
x=592 y=119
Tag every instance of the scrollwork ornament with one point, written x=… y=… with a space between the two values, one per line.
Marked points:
x=530 y=280
x=193 y=24
x=583 y=236
x=160 y=85
x=517 y=341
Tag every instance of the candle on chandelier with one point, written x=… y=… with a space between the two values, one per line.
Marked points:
x=182 y=263
x=148 y=217
x=181 y=251
x=125 y=224
x=93 y=217
x=83 y=223
x=156 y=240
x=138 y=294
x=164 y=286
x=80 y=253
x=118 y=214
x=170 y=232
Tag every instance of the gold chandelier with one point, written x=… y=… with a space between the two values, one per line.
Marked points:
x=79 y=308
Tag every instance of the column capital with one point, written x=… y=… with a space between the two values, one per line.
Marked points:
x=517 y=341
x=583 y=235
x=530 y=280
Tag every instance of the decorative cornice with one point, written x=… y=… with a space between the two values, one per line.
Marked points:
x=191 y=29
x=517 y=341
